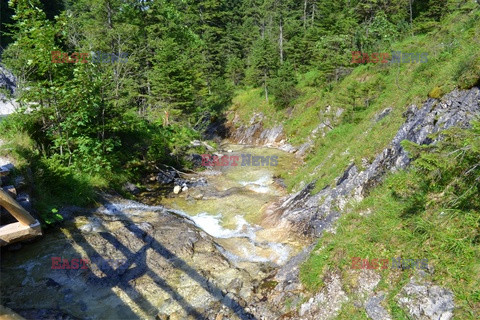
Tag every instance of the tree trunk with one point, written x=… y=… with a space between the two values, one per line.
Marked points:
x=305 y=14
x=313 y=14
x=411 y=13
x=280 y=40
x=263 y=29
x=265 y=86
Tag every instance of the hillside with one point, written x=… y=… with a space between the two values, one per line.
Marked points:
x=361 y=120
x=411 y=214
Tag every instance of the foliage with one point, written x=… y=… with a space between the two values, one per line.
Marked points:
x=283 y=86
x=428 y=212
x=450 y=168
x=436 y=93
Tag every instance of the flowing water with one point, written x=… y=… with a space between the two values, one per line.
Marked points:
x=158 y=263
x=231 y=206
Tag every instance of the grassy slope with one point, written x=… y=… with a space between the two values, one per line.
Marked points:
x=442 y=236
x=454 y=61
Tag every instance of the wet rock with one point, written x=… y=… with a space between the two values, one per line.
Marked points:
x=185 y=189
x=24 y=200
x=167 y=176
x=426 y=301
x=166 y=265
x=130 y=187
x=190 y=183
x=177 y=189
x=12 y=192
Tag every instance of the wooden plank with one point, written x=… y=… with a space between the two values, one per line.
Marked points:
x=15 y=232
x=15 y=209
x=8 y=314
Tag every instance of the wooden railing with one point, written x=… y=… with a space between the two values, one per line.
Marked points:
x=27 y=226
x=15 y=209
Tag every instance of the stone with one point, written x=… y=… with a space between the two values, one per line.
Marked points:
x=383 y=114
x=15 y=232
x=12 y=192
x=23 y=199
x=426 y=301
x=169 y=263
x=19 y=182
x=167 y=176
x=375 y=310
x=177 y=189
x=198 y=196
x=130 y=187
x=190 y=183
x=327 y=303
x=185 y=189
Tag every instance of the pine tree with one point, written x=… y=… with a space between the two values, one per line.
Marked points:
x=283 y=86
x=264 y=63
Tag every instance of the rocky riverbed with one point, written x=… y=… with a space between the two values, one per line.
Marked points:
x=202 y=254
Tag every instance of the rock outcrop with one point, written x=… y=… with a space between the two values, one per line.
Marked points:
x=254 y=133
x=311 y=214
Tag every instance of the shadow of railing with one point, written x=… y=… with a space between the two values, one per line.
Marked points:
x=121 y=276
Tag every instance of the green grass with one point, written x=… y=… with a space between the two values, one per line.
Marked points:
x=454 y=61
x=445 y=237
x=384 y=225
